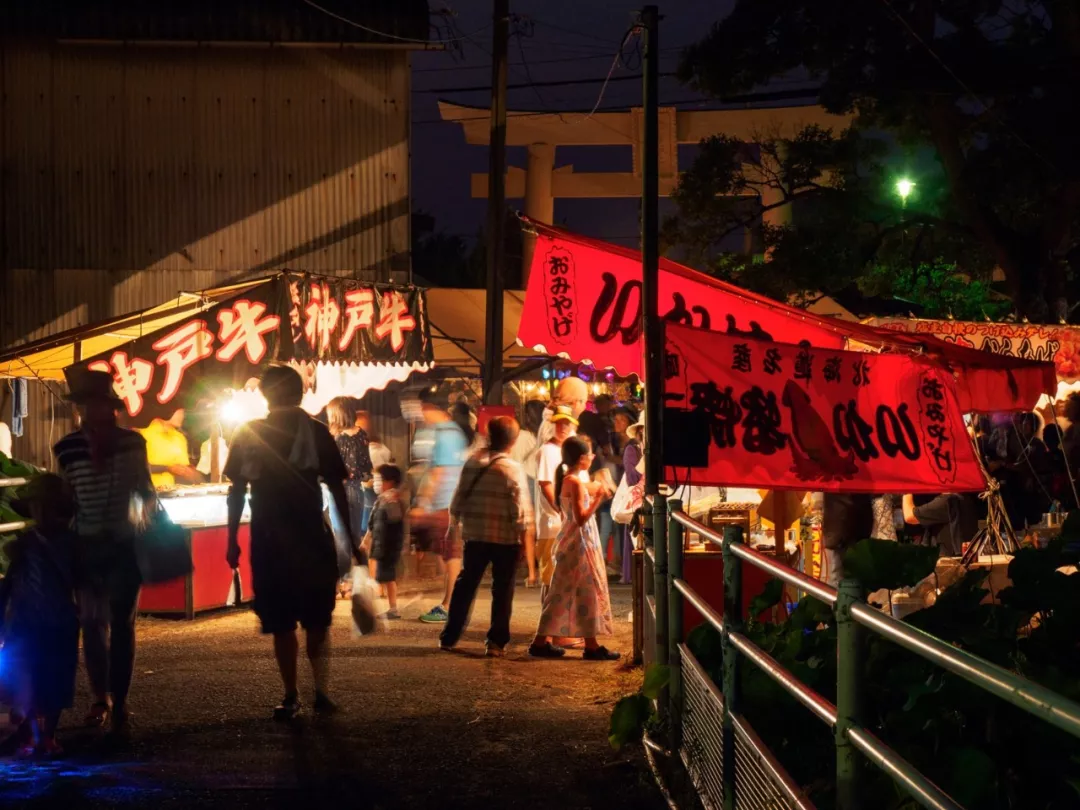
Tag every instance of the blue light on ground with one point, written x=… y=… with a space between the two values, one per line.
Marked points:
x=27 y=780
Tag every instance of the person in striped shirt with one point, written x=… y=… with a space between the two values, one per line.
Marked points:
x=106 y=468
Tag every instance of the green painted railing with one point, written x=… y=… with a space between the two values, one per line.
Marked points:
x=853 y=618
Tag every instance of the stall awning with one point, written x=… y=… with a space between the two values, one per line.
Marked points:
x=458 y=329
x=584 y=303
x=171 y=356
x=46 y=359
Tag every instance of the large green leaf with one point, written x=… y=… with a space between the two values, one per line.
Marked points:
x=888 y=564
x=628 y=720
x=769 y=597
x=657 y=676
x=973 y=776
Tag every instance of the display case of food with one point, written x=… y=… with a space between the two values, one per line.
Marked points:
x=203 y=511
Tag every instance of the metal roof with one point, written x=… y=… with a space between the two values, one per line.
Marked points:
x=284 y=21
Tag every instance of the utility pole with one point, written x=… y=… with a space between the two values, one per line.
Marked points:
x=493 y=348
x=650 y=254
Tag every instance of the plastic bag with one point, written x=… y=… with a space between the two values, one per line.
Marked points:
x=364 y=593
x=626 y=501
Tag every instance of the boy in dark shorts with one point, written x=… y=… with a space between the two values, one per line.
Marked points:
x=387 y=534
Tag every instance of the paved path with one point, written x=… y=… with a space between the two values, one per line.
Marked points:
x=419 y=728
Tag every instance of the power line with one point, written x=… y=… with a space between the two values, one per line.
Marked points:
x=534 y=63
x=963 y=85
x=558 y=83
x=386 y=35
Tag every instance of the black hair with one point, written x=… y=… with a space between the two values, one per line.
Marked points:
x=462 y=416
x=1052 y=436
x=573 y=450
x=502 y=433
x=390 y=473
x=282 y=386
x=534 y=414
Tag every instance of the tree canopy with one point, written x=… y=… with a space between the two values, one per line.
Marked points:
x=990 y=88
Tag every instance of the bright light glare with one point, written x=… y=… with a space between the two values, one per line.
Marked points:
x=243 y=406
x=904 y=188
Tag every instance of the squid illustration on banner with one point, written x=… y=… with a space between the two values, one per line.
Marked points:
x=747 y=412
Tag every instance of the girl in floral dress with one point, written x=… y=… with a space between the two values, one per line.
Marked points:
x=577 y=604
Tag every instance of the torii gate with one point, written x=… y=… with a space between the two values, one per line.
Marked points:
x=540 y=183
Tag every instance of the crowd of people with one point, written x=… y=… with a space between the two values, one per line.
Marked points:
x=469 y=501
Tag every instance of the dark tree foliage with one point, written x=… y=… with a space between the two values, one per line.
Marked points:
x=990 y=88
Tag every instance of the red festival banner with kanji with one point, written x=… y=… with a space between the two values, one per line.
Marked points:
x=290 y=318
x=584 y=303
x=745 y=412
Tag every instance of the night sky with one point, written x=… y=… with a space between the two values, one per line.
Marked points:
x=568 y=40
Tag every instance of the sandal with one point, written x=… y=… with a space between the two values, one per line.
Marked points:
x=98 y=715
x=600 y=654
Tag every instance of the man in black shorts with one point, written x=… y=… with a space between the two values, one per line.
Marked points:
x=293 y=556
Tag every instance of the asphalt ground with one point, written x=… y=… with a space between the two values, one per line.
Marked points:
x=417 y=727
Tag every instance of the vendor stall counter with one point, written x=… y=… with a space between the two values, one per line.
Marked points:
x=203 y=511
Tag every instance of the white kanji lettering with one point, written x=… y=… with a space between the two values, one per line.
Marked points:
x=243 y=327
x=181 y=349
x=131 y=378
x=359 y=314
x=323 y=314
x=395 y=321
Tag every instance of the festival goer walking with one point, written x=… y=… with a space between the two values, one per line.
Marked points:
x=352 y=443
x=39 y=625
x=493 y=514
x=109 y=475
x=386 y=534
x=293 y=560
x=577 y=603
x=431 y=515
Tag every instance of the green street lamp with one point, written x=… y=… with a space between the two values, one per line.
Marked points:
x=904 y=187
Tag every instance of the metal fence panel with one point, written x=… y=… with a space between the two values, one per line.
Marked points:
x=760 y=781
x=703 y=728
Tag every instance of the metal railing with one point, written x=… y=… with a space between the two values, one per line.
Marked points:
x=732 y=768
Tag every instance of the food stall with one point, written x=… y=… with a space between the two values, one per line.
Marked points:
x=767 y=395
x=204 y=353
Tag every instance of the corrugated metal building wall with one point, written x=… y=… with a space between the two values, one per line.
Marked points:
x=132 y=172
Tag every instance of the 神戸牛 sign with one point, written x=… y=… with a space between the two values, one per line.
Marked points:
x=745 y=412
x=290 y=318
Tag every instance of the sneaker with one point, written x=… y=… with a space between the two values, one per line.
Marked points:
x=494 y=650
x=324 y=705
x=435 y=616
x=447 y=647
x=389 y=615
x=288 y=709
x=600 y=654
x=546 y=650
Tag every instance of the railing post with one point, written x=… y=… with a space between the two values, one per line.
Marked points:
x=675 y=536
x=660 y=591
x=848 y=667
x=732 y=623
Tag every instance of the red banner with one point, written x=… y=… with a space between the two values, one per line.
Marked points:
x=744 y=412
x=584 y=303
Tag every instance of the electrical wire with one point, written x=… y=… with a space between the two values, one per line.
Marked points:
x=963 y=85
x=386 y=35
x=555 y=83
